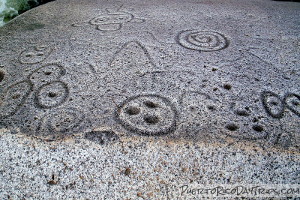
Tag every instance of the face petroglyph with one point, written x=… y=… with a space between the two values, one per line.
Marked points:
x=35 y=54
x=148 y=115
x=113 y=20
x=275 y=105
x=52 y=94
x=126 y=58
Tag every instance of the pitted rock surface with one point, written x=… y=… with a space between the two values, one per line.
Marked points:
x=221 y=80
x=199 y=71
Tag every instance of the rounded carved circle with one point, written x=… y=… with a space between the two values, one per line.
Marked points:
x=52 y=94
x=148 y=115
x=2 y=75
x=202 y=40
x=272 y=104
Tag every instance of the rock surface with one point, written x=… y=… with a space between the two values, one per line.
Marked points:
x=115 y=99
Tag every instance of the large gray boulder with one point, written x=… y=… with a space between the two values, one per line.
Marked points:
x=222 y=76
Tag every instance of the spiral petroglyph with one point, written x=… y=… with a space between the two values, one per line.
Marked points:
x=202 y=40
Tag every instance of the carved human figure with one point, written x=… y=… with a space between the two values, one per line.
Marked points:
x=113 y=20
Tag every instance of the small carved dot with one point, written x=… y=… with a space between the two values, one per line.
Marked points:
x=192 y=108
x=255 y=119
x=133 y=110
x=127 y=171
x=274 y=103
x=151 y=119
x=52 y=94
x=48 y=73
x=258 y=128
x=1 y=76
x=231 y=127
x=211 y=108
x=227 y=86
x=150 y=104
x=242 y=113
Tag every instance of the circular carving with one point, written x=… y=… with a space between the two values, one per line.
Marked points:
x=64 y=120
x=14 y=97
x=148 y=114
x=272 y=104
x=52 y=94
x=47 y=73
x=34 y=55
x=292 y=102
x=112 y=18
x=202 y=40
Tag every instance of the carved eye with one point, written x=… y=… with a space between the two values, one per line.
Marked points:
x=1 y=76
x=28 y=55
x=101 y=19
x=40 y=54
x=40 y=48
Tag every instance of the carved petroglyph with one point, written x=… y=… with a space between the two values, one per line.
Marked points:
x=202 y=40
x=50 y=91
x=134 y=56
x=52 y=94
x=14 y=97
x=275 y=105
x=36 y=54
x=242 y=123
x=113 y=20
x=46 y=74
x=148 y=115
